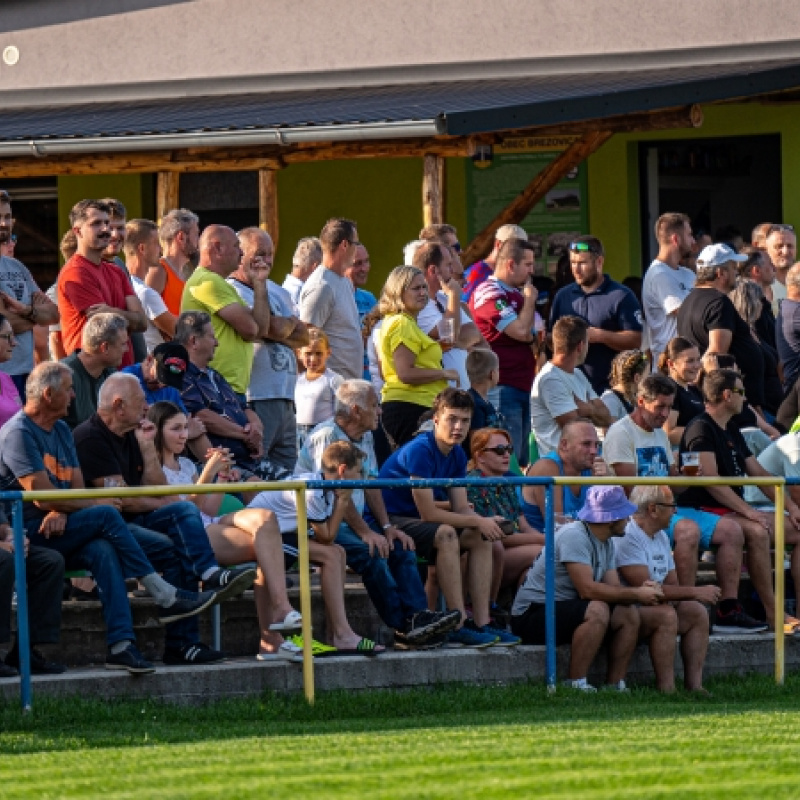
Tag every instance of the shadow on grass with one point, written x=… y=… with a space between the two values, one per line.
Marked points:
x=66 y=724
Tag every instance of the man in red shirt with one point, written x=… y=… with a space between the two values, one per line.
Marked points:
x=504 y=307
x=87 y=285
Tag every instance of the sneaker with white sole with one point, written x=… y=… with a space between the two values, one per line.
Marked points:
x=579 y=684
x=131 y=660
x=426 y=625
x=230 y=581
x=470 y=635
x=737 y=623
x=619 y=686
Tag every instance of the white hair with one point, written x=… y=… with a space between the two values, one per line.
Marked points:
x=410 y=250
x=117 y=385
x=47 y=375
x=352 y=393
x=644 y=496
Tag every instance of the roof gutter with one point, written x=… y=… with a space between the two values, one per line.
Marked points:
x=240 y=138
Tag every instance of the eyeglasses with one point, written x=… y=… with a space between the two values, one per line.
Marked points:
x=354 y=242
x=737 y=390
x=584 y=247
x=666 y=505
x=501 y=449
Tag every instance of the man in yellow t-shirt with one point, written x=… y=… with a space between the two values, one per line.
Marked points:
x=235 y=325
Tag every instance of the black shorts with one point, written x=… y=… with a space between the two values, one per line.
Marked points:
x=423 y=533
x=530 y=626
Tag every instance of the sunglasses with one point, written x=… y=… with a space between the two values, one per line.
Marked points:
x=501 y=449
x=583 y=247
x=779 y=228
x=666 y=505
x=738 y=391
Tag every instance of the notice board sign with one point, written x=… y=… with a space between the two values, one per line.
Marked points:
x=553 y=222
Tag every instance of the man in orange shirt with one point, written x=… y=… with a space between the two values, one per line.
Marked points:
x=179 y=234
x=87 y=285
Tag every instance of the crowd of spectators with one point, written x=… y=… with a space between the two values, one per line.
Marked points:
x=186 y=364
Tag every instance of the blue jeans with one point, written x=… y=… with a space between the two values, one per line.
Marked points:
x=183 y=524
x=515 y=406
x=163 y=555
x=393 y=584
x=98 y=539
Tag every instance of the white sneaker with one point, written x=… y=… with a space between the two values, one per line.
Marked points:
x=580 y=684
x=288 y=651
x=619 y=686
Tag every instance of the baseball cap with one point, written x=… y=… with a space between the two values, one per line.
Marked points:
x=171 y=363
x=506 y=232
x=715 y=255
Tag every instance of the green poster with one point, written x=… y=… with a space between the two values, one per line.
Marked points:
x=554 y=221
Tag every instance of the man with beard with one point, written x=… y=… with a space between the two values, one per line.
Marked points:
x=88 y=285
x=781 y=246
x=611 y=309
x=180 y=237
x=22 y=303
x=666 y=282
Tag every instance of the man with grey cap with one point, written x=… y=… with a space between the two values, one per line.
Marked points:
x=590 y=600
x=709 y=320
x=475 y=274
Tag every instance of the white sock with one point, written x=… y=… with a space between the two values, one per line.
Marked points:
x=162 y=592
x=118 y=647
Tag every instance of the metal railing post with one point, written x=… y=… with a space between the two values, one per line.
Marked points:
x=23 y=638
x=550 y=587
x=305 y=594
x=780 y=594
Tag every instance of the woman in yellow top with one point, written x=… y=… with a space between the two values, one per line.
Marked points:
x=411 y=362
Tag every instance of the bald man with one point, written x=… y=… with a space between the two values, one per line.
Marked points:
x=271 y=390
x=236 y=326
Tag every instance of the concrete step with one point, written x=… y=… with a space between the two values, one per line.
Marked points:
x=240 y=678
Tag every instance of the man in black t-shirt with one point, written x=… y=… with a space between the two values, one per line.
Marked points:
x=723 y=452
x=709 y=320
x=115 y=447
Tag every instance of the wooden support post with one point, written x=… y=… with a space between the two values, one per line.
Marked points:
x=268 y=204
x=433 y=190
x=519 y=207
x=167 y=193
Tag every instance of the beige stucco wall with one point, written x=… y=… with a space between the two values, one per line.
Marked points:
x=169 y=47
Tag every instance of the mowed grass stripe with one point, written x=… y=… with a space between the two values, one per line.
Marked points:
x=607 y=758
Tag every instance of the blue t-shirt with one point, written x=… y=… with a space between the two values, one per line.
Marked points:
x=167 y=394
x=570 y=504
x=26 y=448
x=610 y=307
x=423 y=459
x=365 y=302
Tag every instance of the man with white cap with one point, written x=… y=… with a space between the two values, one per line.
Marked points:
x=709 y=320
x=590 y=600
x=475 y=274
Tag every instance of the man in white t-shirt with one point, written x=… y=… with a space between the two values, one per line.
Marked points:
x=666 y=282
x=643 y=557
x=443 y=271
x=781 y=458
x=561 y=392
x=270 y=392
x=142 y=253
x=307 y=257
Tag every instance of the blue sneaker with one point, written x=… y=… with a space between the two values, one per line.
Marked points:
x=504 y=638
x=470 y=635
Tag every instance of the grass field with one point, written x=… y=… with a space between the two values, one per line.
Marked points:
x=448 y=742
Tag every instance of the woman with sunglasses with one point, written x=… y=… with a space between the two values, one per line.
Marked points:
x=10 y=401
x=411 y=362
x=514 y=554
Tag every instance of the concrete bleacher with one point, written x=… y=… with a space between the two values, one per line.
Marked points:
x=82 y=646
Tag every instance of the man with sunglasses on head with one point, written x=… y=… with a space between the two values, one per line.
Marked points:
x=22 y=303
x=611 y=309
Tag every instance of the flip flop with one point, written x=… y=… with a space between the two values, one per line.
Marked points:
x=318 y=649
x=791 y=628
x=365 y=647
x=292 y=622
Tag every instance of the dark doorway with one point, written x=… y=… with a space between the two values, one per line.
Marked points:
x=731 y=181
x=223 y=198
x=34 y=204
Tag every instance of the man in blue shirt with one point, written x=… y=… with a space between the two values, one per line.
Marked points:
x=611 y=310
x=442 y=534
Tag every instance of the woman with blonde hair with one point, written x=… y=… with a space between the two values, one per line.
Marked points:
x=411 y=362
x=627 y=369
